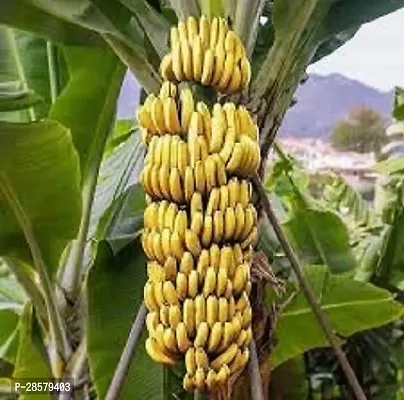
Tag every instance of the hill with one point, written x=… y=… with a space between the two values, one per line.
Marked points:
x=324 y=100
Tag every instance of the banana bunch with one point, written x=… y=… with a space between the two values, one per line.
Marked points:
x=200 y=223
x=207 y=52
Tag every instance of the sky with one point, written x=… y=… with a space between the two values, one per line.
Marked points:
x=375 y=55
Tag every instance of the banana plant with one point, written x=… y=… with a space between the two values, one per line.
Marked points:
x=71 y=207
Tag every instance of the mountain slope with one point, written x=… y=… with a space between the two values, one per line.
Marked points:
x=324 y=100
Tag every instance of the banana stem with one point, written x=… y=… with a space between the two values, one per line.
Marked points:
x=255 y=374
x=127 y=355
x=309 y=294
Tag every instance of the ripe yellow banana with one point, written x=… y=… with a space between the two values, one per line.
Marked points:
x=157 y=247
x=161 y=214
x=240 y=220
x=189 y=315
x=187 y=108
x=179 y=155
x=155 y=190
x=247 y=317
x=200 y=312
x=240 y=361
x=182 y=31
x=221 y=282
x=229 y=223
x=225 y=358
x=190 y=361
x=210 y=172
x=183 y=341
x=242 y=302
x=199 y=379
x=202 y=265
x=181 y=223
x=170 y=340
x=197 y=58
x=187 y=264
x=193 y=284
x=240 y=278
x=164 y=181
x=169 y=216
x=202 y=360
x=188 y=383
x=157 y=114
x=250 y=239
x=207 y=232
x=218 y=226
x=171 y=115
x=235 y=81
x=204 y=112
x=166 y=243
x=150 y=216
x=166 y=68
x=192 y=243
x=234 y=189
x=192 y=28
x=204 y=31
x=152 y=320
x=176 y=189
x=182 y=285
x=213 y=202
x=174 y=316
x=170 y=294
x=223 y=309
x=189 y=183
x=214 y=254
x=250 y=221
x=209 y=285
x=200 y=178
x=211 y=379
x=229 y=65
x=221 y=176
x=212 y=310
x=219 y=127
x=174 y=36
x=202 y=335
x=156 y=353
x=245 y=72
x=150 y=300
x=220 y=56
x=176 y=244
x=196 y=204
x=214 y=32
x=223 y=375
x=164 y=315
x=236 y=159
x=207 y=70
x=215 y=336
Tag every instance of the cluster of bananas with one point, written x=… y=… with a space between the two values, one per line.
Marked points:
x=207 y=52
x=200 y=223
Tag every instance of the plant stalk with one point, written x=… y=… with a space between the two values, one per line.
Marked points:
x=72 y=274
x=127 y=354
x=247 y=20
x=255 y=374
x=57 y=328
x=309 y=294
x=185 y=8
x=26 y=276
x=19 y=67
x=51 y=52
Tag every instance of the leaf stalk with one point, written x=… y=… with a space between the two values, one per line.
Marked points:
x=309 y=294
